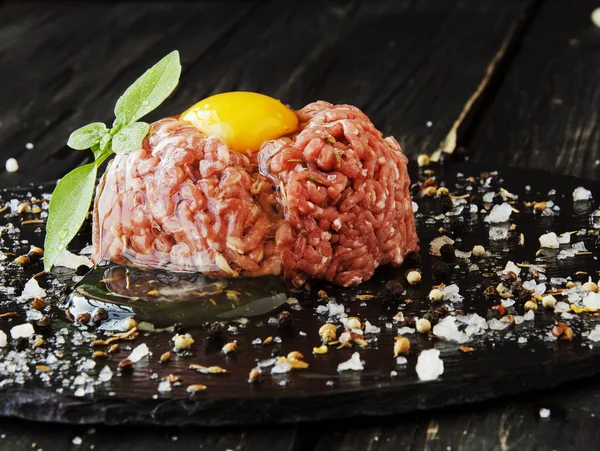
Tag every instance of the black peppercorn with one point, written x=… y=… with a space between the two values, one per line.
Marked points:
x=285 y=319
x=213 y=330
x=447 y=253
x=391 y=291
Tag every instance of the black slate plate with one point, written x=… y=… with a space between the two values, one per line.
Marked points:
x=498 y=366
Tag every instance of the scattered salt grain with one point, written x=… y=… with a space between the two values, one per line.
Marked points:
x=371 y=329
x=565 y=238
x=594 y=335
x=164 y=387
x=354 y=363
x=529 y=316
x=406 y=330
x=451 y=293
x=549 y=241
x=498 y=233
x=77 y=441
x=489 y=197
x=11 y=165
x=511 y=267
x=448 y=330
x=32 y=290
x=522 y=340
x=429 y=365
x=281 y=367
x=401 y=360
x=499 y=324
x=592 y=300
x=544 y=413
x=3 y=339
x=499 y=214
x=105 y=375
x=22 y=331
x=415 y=207
x=69 y=260
x=581 y=193
x=139 y=353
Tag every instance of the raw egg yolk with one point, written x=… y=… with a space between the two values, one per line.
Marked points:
x=243 y=120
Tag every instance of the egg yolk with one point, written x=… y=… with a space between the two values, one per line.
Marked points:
x=243 y=120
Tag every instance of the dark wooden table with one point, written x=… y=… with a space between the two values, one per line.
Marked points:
x=513 y=82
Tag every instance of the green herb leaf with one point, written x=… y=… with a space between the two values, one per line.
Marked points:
x=130 y=138
x=87 y=136
x=150 y=90
x=68 y=208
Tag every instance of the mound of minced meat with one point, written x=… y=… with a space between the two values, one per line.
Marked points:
x=330 y=201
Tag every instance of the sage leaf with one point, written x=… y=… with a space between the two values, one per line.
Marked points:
x=150 y=90
x=130 y=137
x=68 y=208
x=87 y=136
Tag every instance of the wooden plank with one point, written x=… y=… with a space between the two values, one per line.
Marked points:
x=405 y=63
x=546 y=114
x=18 y=435
x=506 y=424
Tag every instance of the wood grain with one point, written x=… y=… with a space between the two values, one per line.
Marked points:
x=546 y=113
x=401 y=61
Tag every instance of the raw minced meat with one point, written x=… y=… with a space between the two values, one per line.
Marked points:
x=330 y=201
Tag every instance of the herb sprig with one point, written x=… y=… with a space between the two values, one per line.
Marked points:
x=72 y=196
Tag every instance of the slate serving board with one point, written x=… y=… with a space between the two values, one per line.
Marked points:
x=498 y=365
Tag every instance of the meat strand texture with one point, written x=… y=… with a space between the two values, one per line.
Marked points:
x=330 y=201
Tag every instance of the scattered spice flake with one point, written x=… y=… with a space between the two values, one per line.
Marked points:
x=8 y=314
x=195 y=388
x=207 y=369
x=466 y=348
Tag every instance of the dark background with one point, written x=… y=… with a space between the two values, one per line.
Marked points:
x=511 y=82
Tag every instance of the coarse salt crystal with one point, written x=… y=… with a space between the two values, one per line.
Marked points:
x=164 y=387
x=529 y=316
x=281 y=367
x=592 y=300
x=3 y=339
x=448 y=330
x=415 y=207
x=32 y=290
x=511 y=267
x=401 y=360
x=581 y=193
x=354 y=363
x=544 y=413
x=22 y=331
x=549 y=240
x=596 y=19
x=371 y=329
x=105 y=375
x=69 y=260
x=594 y=335
x=11 y=165
x=139 y=353
x=499 y=324
x=499 y=214
x=429 y=365
x=565 y=238
x=406 y=330
x=77 y=441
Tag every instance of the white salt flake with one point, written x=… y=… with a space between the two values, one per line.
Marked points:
x=429 y=365
x=406 y=330
x=371 y=329
x=281 y=367
x=401 y=360
x=565 y=238
x=139 y=353
x=448 y=330
x=489 y=197
x=549 y=241
x=529 y=316
x=499 y=214
x=11 y=165
x=592 y=300
x=105 y=375
x=32 y=290
x=69 y=260
x=498 y=233
x=451 y=293
x=415 y=207
x=164 y=387
x=544 y=413
x=499 y=324
x=3 y=339
x=594 y=335
x=579 y=247
x=77 y=441
x=581 y=193
x=22 y=331
x=511 y=267
x=354 y=363
x=522 y=340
